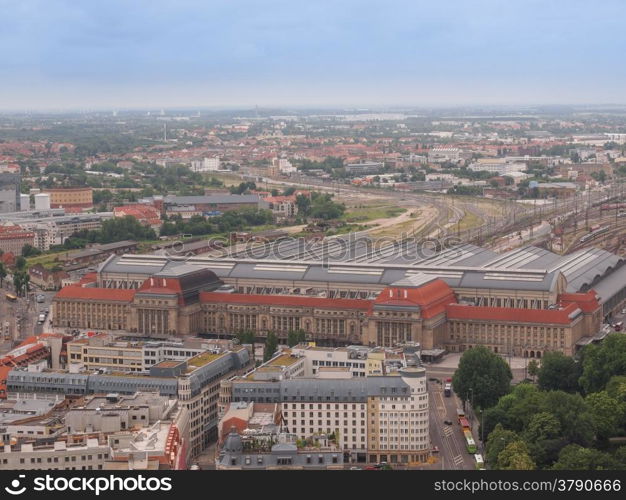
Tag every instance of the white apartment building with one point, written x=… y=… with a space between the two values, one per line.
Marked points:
x=442 y=155
x=501 y=167
x=206 y=164
x=373 y=418
x=317 y=358
x=90 y=455
x=101 y=352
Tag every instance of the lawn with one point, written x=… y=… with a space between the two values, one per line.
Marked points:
x=364 y=213
x=48 y=260
x=469 y=221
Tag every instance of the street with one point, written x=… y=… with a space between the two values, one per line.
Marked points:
x=18 y=319
x=448 y=439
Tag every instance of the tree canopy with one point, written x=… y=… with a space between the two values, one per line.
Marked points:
x=603 y=361
x=558 y=372
x=482 y=376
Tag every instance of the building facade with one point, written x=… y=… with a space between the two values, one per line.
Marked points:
x=80 y=198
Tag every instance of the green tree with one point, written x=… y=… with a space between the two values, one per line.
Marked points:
x=558 y=372
x=245 y=336
x=21 y=282
x=602 y=361
x=3 y=273
x=497 y=441
x=30 y=251
x=606 y=413
x=542 y=426
x=515 y=456
x=573 y=414
x=20 y=263
x=533 y=368
x=304 y=205
x=616 y=388
x=575 y=457
x=271 y=344
x=295 y=337
x=482 y=376
x=543 y=435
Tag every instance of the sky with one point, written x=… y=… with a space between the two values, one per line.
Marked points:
x=120 y=54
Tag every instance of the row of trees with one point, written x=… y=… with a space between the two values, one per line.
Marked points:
x=565 y=421
x=319 y=206
x=116 y=229
x=233 y=220
x=294 y=337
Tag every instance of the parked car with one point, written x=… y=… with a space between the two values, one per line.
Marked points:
x=40 y=299
x=447 y=422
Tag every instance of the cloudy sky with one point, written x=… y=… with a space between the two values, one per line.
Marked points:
x=136 y=53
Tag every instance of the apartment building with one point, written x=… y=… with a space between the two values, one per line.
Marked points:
x=90 y=454
x=13 y=238
x=376 y=418
x=77 y=198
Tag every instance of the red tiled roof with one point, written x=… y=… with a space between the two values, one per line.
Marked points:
x=431 y=298
x=511 y=315
x=285 y=300
x=93 y=293
x=587 y=301
x=88 y=278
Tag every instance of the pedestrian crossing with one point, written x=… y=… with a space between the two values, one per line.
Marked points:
x=458 y=460
x=448 y=431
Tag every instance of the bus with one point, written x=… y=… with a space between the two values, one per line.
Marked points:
x=469 y=442
x=464 y=423
x=11 y=297
x=480 y=463
x=447 y=390
x=459 y=414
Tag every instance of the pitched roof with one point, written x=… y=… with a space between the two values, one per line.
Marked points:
x=430 y=298
x=563 y=316
x=587 y=301
x=93 y=293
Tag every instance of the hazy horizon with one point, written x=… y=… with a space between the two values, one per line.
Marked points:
x=67 y=55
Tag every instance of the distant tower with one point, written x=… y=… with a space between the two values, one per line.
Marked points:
x=162 y=112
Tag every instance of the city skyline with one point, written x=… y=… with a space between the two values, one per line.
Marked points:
x=154 y=54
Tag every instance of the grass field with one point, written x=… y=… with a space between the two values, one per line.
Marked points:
x=47 y=260
x=469 y=221
x=364 y=213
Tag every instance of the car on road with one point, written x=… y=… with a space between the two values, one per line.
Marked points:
x=40 y=299
x=433 y=379
x=435 y=449
x=447 y=422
